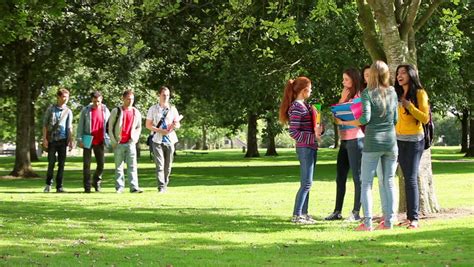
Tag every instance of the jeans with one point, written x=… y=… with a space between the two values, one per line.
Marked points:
x=58 y=147
x=126 y=153
x=307 y=158
x=370 y=160
x=86 y=166
x=349 y=157
x=163 y=157
x=409 y=158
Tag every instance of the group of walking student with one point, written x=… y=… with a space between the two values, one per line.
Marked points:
x=390 y=129
x=120 y=129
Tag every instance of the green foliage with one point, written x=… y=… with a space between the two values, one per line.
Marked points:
x=447 y=130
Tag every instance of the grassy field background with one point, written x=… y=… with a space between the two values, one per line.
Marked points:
x=223 y=209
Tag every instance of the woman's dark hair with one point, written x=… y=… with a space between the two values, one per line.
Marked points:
x=413 y=84
x=355 y=77
x=363 y=83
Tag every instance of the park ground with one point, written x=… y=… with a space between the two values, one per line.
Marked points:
x=224 y=210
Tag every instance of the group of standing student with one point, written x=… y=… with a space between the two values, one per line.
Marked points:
x=120 y=129
x=392 y=130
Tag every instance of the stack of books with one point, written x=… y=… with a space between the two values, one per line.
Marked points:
x=348 y=111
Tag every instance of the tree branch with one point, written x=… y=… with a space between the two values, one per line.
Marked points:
x=424 y=18
x=409 y=20
x=370 y=36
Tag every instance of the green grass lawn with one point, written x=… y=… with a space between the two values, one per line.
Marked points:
x=222 y=209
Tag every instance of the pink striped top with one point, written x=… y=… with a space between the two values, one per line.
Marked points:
x=301 y=125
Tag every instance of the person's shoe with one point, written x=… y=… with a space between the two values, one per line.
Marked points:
x=87 y=190
x=309 y=218
x=334 y=216
x=162 y=190
x=362 y=228
x=136 y=191
x=382 y=226
x=404 y=223
x=301 y=220
x=355 y=217
x=47 y=189
x=97 y=187
x=119 y=190
x=60 y=190
x=413 y=225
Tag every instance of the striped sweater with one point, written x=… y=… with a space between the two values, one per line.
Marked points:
x=301 y=125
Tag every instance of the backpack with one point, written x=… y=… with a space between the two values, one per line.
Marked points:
x=428 y=130
x=119 y=111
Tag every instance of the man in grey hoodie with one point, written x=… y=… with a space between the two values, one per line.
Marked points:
x=92 y=135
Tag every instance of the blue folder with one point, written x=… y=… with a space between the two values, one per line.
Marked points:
x=87 y=140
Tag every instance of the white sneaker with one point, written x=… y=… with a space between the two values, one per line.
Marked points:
x=47 y=189
x=301 y=220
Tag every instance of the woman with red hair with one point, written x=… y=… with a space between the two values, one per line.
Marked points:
x=300 y=116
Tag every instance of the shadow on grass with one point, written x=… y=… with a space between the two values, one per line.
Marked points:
x=141 y=219
x=450 y=246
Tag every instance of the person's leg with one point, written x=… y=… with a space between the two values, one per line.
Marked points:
x=62 y=148
x=51 y=163
x=86 y=168
x=354 y=151
x=389 y=165
x=99 y=154
x=119 y=158
x=132 y=170
x=409 y=158
x=159 y=159
x=342 y=169
x=368 y=166
x=306 y=158
x=304 y=210
x=168 y=155
x=380 y=175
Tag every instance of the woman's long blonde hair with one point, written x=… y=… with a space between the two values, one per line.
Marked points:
x=379 y=80
x=292 y=89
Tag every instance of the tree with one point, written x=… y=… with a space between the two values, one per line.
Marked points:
x=389 y=28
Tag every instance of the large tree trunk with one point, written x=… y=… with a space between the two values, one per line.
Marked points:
x=252 y=146
x=23 y=111
x=465 y=130
x=397 y=23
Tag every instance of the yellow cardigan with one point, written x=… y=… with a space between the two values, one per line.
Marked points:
x=407 y=123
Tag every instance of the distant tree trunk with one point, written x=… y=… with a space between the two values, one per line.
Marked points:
x=465 y=130
x=470 y=150
x=271 y=134
x=205 y=146
x=23 y=111
x=271 y=147
x=252 y=146
x=33 y=154
x=336 y=136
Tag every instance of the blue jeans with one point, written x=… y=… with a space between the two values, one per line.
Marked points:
x=126 y=153
x=370 y=160
x=348 y=158
x=307 y=158
x=409 y=158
